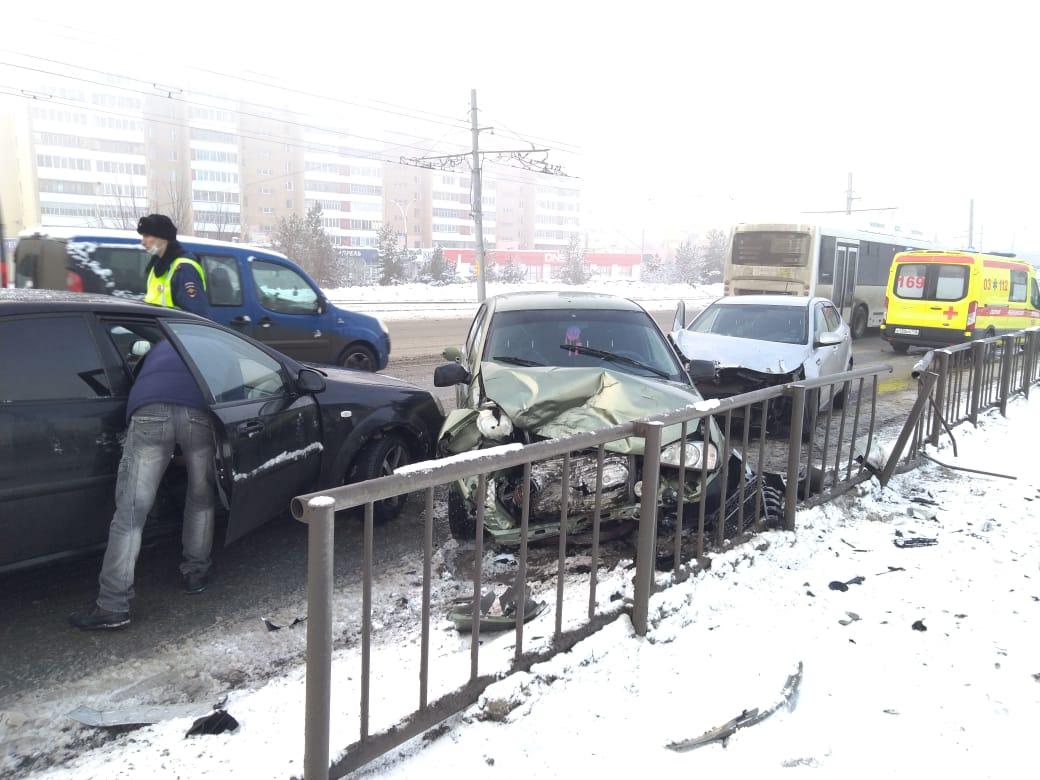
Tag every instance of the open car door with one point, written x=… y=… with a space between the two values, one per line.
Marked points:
x=268 y=435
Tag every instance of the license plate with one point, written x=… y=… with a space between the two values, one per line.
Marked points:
x=907 y=332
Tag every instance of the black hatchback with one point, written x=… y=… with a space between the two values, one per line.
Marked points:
x=283 y=428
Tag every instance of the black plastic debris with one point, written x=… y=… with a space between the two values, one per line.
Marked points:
x=914 y=541
x=844 y=586
x=919 y=626
x=271 y=626
x=891 y=569
x=217 y=722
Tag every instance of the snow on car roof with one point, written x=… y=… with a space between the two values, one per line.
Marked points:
x=67 y=233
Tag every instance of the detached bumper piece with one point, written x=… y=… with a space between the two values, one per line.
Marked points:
x=497 y=612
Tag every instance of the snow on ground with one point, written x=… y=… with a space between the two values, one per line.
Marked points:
x=878 y=698
x=400 y=302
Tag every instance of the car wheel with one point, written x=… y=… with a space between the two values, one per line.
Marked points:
x=772 y=506
x=858 y=327
x=900 y=349
x=380 y=459
x=461 y=522
x=358 y=357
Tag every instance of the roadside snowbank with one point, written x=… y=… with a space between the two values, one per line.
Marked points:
x=425 y=301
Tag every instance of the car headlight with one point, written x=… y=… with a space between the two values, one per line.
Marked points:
x=670 y=455
x=496 y=427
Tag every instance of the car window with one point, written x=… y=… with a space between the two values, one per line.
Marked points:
x=763 y=322
x=132 y=339
x=223 y=282
x=1034 y=296
x=50 y=359
x=471 y=337
x=1018 y=286
x=283 y=290
x=931 y=282
x=910 y=280
x=126 y=264
x=832 y=317
x=231 y=367
x=541 y=337
x=819 y=321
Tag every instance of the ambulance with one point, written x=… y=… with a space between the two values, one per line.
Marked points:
x=935 y=299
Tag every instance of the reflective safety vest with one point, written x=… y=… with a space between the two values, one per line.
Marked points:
x=159 y=291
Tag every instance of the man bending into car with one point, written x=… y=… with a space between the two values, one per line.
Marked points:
x=165 y=409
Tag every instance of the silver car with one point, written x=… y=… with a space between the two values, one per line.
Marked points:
x=748 y=342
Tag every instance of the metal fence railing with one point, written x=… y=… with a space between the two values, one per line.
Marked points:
x=684 y=508
x=956 y=384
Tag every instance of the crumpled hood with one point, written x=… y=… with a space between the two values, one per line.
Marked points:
x=553 y=402
x=767 y=357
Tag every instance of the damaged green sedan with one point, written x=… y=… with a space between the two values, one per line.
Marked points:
x=540 y=366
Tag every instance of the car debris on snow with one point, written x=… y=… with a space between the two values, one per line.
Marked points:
x=844 y=586
x=144 y=715
x=788 y=698
x=919 y=626
x=272 y=626
x=217 y=722
x=500 y=619
x=914 y=541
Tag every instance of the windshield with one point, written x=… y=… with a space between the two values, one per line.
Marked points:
x=776 y=248
x=540 y=338
x=763 y=322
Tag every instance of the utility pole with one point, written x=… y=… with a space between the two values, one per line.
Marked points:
x=524 y=159
x=971 y=223
x=849 y=197
x=478 y=203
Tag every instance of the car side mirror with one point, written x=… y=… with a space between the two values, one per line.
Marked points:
x=680 y=316
x=322 y=304
x=449 y=375
x=309 y=381
x=830 y=339
x=453 y=354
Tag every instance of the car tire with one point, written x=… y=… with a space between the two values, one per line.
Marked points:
x=858 y=326
x=358 y=357
x=379 y=459
x=772 y=507
x=461 y=522
x=900 y=349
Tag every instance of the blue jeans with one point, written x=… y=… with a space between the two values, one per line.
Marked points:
x=148 y=450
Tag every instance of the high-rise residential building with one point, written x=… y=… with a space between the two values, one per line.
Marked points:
x=229 y=169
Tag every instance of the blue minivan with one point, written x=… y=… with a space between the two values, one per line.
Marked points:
x=258 y=292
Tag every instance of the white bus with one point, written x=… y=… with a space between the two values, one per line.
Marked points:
x=849 y=266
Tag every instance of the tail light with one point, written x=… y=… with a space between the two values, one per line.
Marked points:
x=972 y=310
x=73 y=281
x=3 y=275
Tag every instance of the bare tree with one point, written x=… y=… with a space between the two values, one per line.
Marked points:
x=175 y=203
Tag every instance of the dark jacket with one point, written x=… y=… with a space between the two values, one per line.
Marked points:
x=186 y=287
x=164 y=378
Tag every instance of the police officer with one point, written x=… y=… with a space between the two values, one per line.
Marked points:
x=175 y=277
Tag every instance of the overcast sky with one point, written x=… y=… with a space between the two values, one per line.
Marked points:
x=682 y=116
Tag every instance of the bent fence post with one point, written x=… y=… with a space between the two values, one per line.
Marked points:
x=645 y=558
x=923 y=394
x=319 y=515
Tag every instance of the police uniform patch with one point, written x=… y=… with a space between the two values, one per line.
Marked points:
x=191 y=289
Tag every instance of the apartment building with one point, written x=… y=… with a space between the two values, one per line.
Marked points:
x=227 y=169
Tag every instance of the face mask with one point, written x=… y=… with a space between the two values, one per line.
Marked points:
x=153 y=250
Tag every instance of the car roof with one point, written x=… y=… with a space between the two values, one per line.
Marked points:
x=69 y=233
x=28 y=301
x=768 y=300
x=562 y=299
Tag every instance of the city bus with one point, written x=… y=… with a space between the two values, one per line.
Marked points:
x=847 y=265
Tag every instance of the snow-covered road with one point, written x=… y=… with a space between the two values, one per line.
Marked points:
x=878 y=697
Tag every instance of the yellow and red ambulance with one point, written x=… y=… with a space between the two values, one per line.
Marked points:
x=935 y=299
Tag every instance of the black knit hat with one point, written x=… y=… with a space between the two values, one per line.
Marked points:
x=158 y=225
